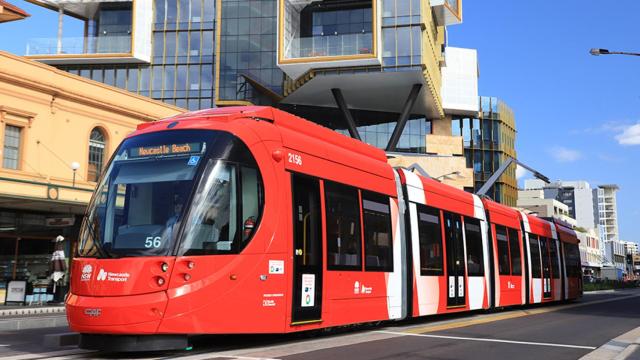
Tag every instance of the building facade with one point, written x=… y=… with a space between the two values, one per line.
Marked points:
x=535 y=202
x=489 y=140
x=591 y=255
x=10 y=12
x=615 y=267
x=606 y=209
x=57 y=131
x=370 y=69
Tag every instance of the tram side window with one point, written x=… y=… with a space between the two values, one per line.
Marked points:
x=544 y=254
x=344 y=244
x=378 y=249
x=475 y=259
x=553 y=252
x=572 y=260
x=503 y=250
x=514 y=249
x=534 y=249
x=430 y=235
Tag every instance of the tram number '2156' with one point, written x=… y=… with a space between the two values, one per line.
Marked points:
x=153 y=242
x=295 y=159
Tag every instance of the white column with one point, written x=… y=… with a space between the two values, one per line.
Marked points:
x=60 y=18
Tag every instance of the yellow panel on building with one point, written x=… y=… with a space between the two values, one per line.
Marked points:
x=57 y=131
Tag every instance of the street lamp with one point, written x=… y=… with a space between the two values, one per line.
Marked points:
x=597 y=52
x=75 y=166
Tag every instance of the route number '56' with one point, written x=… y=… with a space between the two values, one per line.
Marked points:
x=153 y=242
x=295 y=159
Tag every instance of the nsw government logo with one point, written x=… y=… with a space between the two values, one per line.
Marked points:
x=86 y=273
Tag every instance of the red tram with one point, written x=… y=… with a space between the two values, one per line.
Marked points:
x=252 y=220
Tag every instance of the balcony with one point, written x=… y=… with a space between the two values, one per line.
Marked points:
x=330 y=45
x=326 y=34
x=93 y=31
x=79 y=45
x=447 y=12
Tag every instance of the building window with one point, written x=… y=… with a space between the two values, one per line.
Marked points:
x=11 y=153
x=96 y=154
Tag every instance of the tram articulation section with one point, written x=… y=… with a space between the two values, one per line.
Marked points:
x=251 y=220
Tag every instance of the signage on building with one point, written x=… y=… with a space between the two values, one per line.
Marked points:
x=60 y=221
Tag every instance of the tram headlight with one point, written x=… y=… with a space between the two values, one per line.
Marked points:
x=164 y=267
x=160 y=281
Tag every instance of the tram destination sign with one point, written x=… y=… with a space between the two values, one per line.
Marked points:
x=165 y=149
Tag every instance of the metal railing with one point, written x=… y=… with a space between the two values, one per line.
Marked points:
x=79 y=45
x=331 y=45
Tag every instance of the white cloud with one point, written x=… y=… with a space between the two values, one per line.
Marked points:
x=521 y=172
x=564 y=155
x=630 y=135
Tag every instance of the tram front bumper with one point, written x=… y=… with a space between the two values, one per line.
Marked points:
x=134 y=314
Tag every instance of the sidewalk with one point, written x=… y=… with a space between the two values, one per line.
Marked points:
x=624 y=347
x=31 y=317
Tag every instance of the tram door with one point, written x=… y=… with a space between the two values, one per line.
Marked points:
x=455 y=260
x=307 y=248
x=546 y=267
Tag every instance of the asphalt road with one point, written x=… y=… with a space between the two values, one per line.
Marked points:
x=565 y=331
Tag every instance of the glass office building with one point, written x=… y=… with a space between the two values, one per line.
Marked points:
x=204 y=53
x=181 y=67
x=247 y=67
x=488 y=141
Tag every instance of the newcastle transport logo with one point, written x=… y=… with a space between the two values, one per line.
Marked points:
x=104 y=275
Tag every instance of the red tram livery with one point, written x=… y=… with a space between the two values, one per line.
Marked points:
x=252 y=220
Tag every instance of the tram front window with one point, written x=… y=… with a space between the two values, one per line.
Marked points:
x=146 y=194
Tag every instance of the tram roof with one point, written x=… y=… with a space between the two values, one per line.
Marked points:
x=566 y=234
x=283 y=120
x=539 y=226
x=502 y=214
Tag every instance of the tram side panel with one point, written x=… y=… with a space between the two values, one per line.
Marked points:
x=361 y=267
x=222 y=292
x=571 y=260
x=449 y=248
x=542 y=255
x=507 y=254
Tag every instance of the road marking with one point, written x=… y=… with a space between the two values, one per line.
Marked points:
x=222 y=354
x=490 y=340
x=509 y=315
x=47 y=355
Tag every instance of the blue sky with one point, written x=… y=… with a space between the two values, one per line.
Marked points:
x=578 y=116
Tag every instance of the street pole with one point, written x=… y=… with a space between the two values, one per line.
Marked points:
x=598 y=52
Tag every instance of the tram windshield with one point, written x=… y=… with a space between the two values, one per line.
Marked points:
x=147 y=192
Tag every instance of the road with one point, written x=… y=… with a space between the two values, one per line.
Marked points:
x=564 y=331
